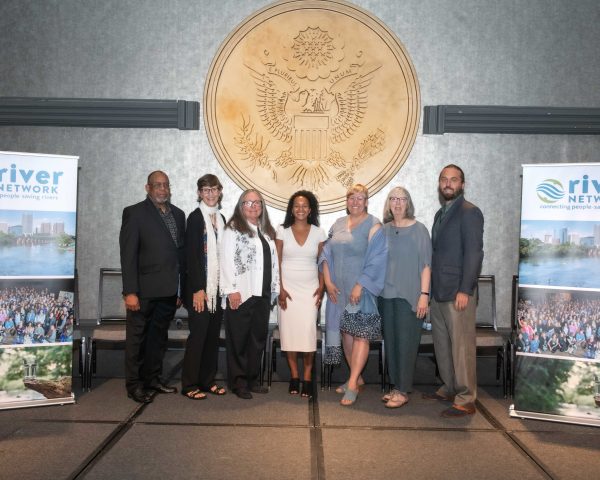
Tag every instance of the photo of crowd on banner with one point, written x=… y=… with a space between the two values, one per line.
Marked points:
x=31 y=315
x=565 y=323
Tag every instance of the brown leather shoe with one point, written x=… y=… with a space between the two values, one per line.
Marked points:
x=456 y=411
x=437 y=396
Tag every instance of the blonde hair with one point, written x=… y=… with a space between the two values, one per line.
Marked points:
x=357 y=188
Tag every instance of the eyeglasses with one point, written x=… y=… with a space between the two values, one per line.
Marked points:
x=252 y=203
x=398 y=199
x=207 y=190
x=158 y=185
x=357 y=198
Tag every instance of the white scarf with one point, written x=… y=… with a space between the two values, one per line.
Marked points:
x=212 y=253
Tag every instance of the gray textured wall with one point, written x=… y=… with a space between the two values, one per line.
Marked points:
x=494 y=52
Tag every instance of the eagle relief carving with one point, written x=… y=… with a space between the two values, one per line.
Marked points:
x=310 y=103
x=318 y=102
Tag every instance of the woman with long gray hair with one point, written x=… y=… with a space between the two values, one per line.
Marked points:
x=404 y=301
x=249 y=285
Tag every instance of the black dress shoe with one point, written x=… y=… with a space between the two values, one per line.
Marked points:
x=243 y=393
x=259 y=389
x=140 y=395
x=161 y=388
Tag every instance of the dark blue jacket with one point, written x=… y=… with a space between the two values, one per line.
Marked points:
x=457 y=251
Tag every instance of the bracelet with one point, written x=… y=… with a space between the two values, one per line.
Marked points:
x=425 y=293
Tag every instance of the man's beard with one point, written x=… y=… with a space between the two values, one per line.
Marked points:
x=451 y=196
x=161 y=200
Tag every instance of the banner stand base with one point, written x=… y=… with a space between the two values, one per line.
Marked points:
x=552 y=418
x=38 y=403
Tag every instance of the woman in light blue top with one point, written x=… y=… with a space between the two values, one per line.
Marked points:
x=353 y=265
x=404 y=301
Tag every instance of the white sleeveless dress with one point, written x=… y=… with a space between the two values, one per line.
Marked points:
x=298 y=322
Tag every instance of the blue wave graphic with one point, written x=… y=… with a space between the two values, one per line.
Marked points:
x=548 y=191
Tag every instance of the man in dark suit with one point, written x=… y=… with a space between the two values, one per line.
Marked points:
x=457 y=237
x=152 y=254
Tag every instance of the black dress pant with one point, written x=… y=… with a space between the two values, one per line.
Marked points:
x=201 y=350
x=246 y=331
x=146 y=337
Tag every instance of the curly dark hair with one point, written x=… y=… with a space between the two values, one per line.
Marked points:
x=313 y=203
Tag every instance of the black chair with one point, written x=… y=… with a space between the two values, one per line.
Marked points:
x=512 y=347
x=327 y=370
x=110 y=322
x=273 y=342
x=79 y=340
x=268 y=359
x=489 y=336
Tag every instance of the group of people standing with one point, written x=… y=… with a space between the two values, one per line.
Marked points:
x=380 y=279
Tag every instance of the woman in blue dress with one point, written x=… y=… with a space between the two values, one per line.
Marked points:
x=353 y=264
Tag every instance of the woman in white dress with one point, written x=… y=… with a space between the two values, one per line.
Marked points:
x=299 y=242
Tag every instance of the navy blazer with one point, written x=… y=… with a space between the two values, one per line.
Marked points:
x=457 y=251
x=151 y=262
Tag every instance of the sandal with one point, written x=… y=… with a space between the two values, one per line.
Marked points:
x=307 y=389
x=344 y=386
x=294 y=388
x=349 y=397
x=387 y=397
x=195 y=395
x=217 y=389
x=397 y=400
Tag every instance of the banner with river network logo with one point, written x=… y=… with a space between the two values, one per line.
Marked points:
x=38 y=195
x=558 y=310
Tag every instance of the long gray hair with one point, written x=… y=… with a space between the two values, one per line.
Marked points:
x=238 y=221
x=388 y=216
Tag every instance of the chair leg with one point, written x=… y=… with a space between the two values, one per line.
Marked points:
x=92 y=359
x=504 y=364
x=386 y=373
x=513 y=367
x=272 y=361
x=498 y=360
x=273 y=356
x=323 y=365
x=322 y=373
x=82 y=372
x=261 y=373
x=383 y=366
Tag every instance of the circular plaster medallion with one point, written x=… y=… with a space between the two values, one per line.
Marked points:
x=315 y=95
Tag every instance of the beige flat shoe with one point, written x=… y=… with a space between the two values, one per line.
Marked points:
x=397 y=400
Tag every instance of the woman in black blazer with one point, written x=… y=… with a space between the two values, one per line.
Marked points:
x=201 y=293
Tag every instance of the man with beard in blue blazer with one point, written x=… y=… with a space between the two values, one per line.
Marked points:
x=457 y=238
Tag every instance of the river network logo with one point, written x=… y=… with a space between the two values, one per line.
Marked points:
x=550 y=191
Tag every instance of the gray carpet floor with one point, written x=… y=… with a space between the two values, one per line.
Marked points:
x=105 y=435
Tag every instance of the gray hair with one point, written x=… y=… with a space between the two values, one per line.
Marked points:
x=410 y=207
